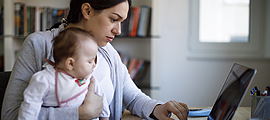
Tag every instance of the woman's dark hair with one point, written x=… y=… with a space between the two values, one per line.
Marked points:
x=75 y=13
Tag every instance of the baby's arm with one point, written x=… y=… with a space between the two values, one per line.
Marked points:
x=33 y=97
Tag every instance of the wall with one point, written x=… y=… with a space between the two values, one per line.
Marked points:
x=195 y=82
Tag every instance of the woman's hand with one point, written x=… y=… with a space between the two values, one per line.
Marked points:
x=161 y=112
x=92 y=106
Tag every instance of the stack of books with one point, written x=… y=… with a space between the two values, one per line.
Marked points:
x=29 y=19
x=137 y=23
x=137 y=68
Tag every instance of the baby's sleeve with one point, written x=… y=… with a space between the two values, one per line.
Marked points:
x=33 y=97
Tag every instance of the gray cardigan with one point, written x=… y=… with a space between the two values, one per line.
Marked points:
x=36 y=47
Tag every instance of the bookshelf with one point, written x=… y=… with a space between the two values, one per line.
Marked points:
x=145 y=48
x=11 y=43
x=135 y=47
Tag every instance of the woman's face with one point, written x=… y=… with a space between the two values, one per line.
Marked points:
x=105 y=25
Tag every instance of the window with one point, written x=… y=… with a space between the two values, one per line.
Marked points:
x=224 y=21
x=227 y=28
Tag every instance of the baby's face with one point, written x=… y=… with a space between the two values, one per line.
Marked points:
x=85 y=59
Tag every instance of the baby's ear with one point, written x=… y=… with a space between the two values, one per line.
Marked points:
x=69 y=63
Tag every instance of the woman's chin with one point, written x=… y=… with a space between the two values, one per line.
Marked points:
x=103 y=44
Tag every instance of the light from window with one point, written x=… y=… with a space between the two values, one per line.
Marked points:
x=224 y=21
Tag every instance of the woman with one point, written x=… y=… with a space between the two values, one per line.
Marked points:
x=102 y=18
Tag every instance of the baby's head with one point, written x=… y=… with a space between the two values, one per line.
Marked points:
x=74 y=51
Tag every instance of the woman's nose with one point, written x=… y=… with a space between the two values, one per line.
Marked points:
x=117 y=29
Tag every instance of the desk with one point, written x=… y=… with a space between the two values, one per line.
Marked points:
x=242 y=113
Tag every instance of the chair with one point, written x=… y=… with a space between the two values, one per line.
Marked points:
x=4 y=77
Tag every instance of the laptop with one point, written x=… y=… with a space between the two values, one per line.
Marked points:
x=231 y=94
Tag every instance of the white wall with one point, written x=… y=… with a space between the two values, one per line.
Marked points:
x=195 y=82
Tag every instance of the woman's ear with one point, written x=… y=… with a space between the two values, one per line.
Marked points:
x=86 y=10
x=69 y=63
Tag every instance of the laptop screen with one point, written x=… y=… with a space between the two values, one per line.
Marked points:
x=232 y=92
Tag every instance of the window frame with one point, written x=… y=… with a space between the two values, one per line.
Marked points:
x=253 y=49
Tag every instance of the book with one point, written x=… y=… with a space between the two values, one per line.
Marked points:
x=141 y=72
x=134 y=24
x=44 y=19
x=144 y=21
x=130 y=23
x=132 y=65
x=25 y=20
x=17 y=18
x=21 y=24
x=49 y=18
x=28 y=20
x=135 y=69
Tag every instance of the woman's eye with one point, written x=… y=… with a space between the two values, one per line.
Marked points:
x=113 y=20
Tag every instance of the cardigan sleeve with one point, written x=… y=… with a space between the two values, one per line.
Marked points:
x=134 y=99
x=35 y=48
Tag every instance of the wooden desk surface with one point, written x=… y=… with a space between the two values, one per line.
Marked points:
x=242 y=113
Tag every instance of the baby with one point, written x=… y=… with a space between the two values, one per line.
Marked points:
x=66 y=83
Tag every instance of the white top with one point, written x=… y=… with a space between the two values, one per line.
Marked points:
x=102 y=74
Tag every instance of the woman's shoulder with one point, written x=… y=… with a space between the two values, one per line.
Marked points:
x=42 y=36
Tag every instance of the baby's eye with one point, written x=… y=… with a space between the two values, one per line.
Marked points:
x=91 y=61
